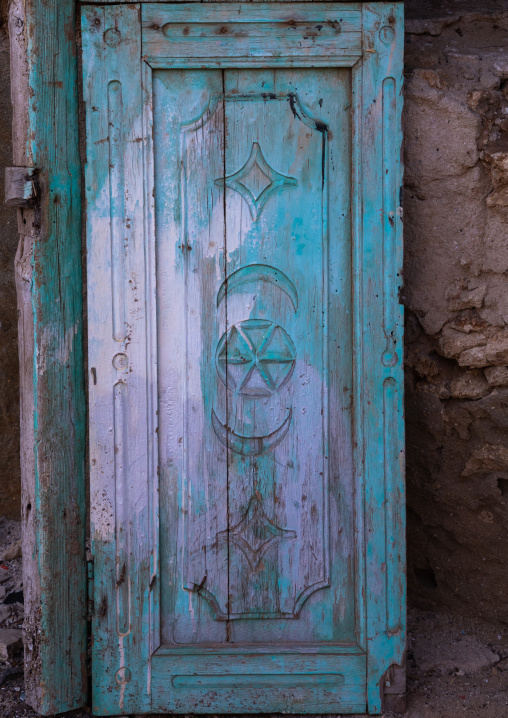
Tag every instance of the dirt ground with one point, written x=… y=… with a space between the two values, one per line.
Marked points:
x=456 y=667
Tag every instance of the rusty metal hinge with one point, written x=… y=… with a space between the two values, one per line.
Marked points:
x=22 y=186
x=23 y=189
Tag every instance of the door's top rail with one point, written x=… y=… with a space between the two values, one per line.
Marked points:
x=258 y=3
x=312 y=34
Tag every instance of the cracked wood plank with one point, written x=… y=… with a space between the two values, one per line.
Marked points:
x=49 y=286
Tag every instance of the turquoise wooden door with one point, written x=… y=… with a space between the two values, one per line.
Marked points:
x=243 y=229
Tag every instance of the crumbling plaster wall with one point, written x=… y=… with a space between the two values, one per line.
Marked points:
x=455 y=292
x=456 y=298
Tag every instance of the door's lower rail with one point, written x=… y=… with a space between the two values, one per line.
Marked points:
x=299 y=680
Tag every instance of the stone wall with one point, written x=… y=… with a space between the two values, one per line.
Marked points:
x=456 y=296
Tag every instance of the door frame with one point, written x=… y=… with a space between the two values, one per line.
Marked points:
x=52 y=357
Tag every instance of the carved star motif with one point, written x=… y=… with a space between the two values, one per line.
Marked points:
x=255 y=533
x=256 y=181
x=255 y=358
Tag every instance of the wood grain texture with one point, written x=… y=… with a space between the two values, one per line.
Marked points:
x=258 y=17
x=49 y=286
x=231 y=35
x=121 y=358
x=279 y=482
x=49 y=283
x=298 y=682
x=277 y=474
x=380 y=270
x=217 y=3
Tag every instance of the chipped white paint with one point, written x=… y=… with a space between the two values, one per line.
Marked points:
x=232 y=389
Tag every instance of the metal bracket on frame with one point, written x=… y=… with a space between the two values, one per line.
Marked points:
x=23 y=189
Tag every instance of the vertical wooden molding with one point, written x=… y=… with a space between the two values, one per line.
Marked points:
x=49 y=285
x=121 y=346
x=383 y=416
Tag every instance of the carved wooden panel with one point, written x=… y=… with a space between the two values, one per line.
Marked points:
x=246 y=375
x=244 y=339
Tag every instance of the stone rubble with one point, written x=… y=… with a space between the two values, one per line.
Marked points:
x=11 y=580
x=11 y=643
x=13 y=551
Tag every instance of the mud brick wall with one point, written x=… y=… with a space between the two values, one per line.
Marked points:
x=456 y=298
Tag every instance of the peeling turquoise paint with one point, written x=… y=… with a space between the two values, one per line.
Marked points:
x=55 y=584
x=276 y=408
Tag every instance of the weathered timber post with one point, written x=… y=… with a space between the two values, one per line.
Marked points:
x=49 y=286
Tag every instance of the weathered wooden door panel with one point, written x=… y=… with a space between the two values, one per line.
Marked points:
x=257 y=348
x=231 y=253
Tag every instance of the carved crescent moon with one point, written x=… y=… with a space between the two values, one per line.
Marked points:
x=250 y=445
x=257 y=272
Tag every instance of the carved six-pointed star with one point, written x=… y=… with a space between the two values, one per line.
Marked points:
x=256 y=181
x=255 y=358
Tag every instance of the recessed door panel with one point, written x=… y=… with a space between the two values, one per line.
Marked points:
x=254 y=335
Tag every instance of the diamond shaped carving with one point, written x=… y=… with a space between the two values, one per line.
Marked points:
x=256 y=181
x=255 y=533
